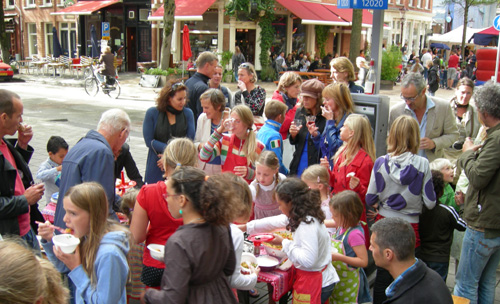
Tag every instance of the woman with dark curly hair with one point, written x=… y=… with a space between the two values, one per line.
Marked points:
x=309 y=251
x=169 y=119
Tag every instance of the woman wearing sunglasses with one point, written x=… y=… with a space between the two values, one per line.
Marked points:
x=169 y=119
x=250 y=94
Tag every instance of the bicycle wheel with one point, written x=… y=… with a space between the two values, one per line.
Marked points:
x=114 y=90
x=87 y=73
x=91 y=86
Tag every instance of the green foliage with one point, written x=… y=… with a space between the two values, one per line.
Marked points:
x=167 y=72
x=225 y=58
x=267 y=73
x=321 y=37
x=391 y=59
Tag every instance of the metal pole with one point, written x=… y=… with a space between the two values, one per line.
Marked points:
x=376 y=50
x=498 y=57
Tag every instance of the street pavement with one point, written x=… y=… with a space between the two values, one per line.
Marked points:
x=60 y=106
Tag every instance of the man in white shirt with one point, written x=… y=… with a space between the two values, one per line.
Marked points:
x=426 y=56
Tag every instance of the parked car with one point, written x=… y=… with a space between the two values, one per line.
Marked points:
x=6 y=71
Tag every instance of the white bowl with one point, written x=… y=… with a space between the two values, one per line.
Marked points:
x=248 y=258
x=157 y=251
x=267 y=262
x=66 y=242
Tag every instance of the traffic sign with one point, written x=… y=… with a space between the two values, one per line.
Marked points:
x=363 y=4
x=496 y=23
x=105 y=30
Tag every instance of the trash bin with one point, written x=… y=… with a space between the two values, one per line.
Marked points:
x=18 y=57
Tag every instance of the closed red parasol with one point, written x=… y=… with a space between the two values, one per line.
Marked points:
x=186 y=46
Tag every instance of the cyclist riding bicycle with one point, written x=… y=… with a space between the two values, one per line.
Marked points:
x=108 y=70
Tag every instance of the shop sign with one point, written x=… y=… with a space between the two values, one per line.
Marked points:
x=363 y=4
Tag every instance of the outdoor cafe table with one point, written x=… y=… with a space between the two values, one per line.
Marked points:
x=323 y=77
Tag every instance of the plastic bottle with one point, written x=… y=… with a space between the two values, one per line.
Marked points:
x=370 y=79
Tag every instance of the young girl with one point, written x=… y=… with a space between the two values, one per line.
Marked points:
x=310 y=250
x=353 y=163
x=238 y=151
x=445 y=166
x=349 y=255
x=200 y=254
x=98 y=268
x=267 y=178
x=400 y=185
x=317 y=178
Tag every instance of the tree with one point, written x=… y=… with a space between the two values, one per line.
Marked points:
x=357 y=18
x=466 y=5
x=4 y=36
x=168 y=27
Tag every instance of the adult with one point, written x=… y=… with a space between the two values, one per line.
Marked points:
x=197 y=84
x=426 y=56
x=362 y=67
x=466 y=117
x=92 y=159
x=213 y=104
x=289 y=62
x=480 y=255
x=433 y=76
x=250 y=94
x=314 y=64
x=338 y=105
x=411 y=58
x=438 y=129
x=125 y=160
x=153 y=223
x=18 y=198
x=342 y=70
x=393 y=248
x=452 y=69
x=287 y=92
x=306 y=153
x=214 y=83
x=471 y=63
x=108 y=60
x=326 y=60
x=280 y=63
x=237 y=59
x=169 y=119
x=417 y=66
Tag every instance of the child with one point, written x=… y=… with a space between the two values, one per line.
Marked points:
x=445 y=166
x=310 y=250
x=267 y=177
x=436 y=230
x=353 y=162
x=269 y=134
x=134 y=258
x=317 y=178
x=51 y=168
x=239 y=150
x=350 y=254
x=98 y=268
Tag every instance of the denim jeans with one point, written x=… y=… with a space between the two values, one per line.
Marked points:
x=32 y=242
x=440 y=268
x=326 y=292
x=476 y=274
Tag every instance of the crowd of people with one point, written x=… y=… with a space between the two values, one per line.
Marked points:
x=215 y=169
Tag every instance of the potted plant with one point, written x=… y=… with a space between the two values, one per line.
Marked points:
x=162 y=75
x=389 y=71
x=226 y=57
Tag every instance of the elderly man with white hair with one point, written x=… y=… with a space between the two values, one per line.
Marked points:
x=93 y=159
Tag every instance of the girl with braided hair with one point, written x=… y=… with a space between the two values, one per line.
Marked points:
x=309 y=251
x=200 y=254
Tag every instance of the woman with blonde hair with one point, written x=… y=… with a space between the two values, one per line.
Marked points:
x=337 y=106
x=214 y=106
x=153 y=222
x=98 y=268
x=238 y=151
x=107 y=59
x=288 y=92
x=237 y=59
x=170 y=118
x=250 y=94
x=342 y=70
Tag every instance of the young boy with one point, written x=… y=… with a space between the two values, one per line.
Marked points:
x=269 y=134
x=444 y=166
x=436 y=228
x=50 y=169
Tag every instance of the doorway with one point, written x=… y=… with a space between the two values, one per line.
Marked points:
x=131 y=49
x=245 y=39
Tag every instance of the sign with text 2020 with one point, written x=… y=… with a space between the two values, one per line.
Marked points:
x=363 y=4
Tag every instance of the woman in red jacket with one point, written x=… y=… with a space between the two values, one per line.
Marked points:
x=353 y=163
x=288 y=92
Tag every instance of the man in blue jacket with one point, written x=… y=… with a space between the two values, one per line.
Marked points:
x=93 y=159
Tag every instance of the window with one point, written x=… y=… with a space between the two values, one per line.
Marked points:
x=30 y=3
x=32 y=43
x=49 y=39
x=67 y=34
x=47 y=2
x=9 y=4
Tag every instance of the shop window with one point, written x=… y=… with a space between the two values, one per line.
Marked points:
x=49 y=39
x=9 y=4
x=30 y=3
x=203 y=34
x=279 y=43
x=298 y=36
x=32 y=43
x=67 y=35
x=47 y=2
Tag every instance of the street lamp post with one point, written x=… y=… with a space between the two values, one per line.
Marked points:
x=402 y=13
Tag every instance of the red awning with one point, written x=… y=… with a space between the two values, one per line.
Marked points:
x=85 y=7
x=346 y=14
x=185 y=10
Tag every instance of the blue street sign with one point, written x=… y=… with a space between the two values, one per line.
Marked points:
x=496 y=23
x=105 y=29
x=363 y=4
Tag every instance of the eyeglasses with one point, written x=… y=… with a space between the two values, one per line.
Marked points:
x=176 y=86
x=410 y=99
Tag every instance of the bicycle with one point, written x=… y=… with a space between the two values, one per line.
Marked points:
x=110 y=87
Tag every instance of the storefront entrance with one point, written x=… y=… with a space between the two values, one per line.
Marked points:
x=245 y=39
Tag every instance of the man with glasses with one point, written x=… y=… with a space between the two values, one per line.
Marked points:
x=206 y=63
x=92 y=159
x=438 y=129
